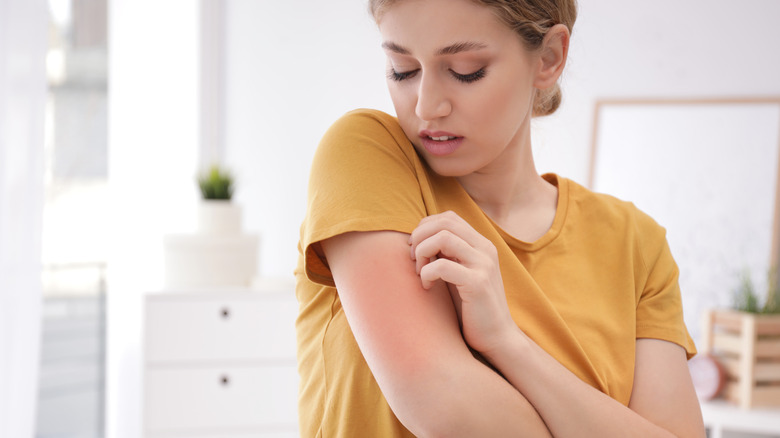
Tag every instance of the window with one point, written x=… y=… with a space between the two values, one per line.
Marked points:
x=71 y=385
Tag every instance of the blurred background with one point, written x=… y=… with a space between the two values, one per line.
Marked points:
x=108 y=108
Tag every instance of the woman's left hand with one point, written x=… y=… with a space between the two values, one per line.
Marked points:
x=445 y=247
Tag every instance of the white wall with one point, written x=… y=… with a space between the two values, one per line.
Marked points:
x=665 y=48
x=293 y=67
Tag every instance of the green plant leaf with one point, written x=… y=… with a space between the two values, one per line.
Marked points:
x=745 y=298
x=216 y=183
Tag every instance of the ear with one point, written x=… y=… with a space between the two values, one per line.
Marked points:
x=552 y=56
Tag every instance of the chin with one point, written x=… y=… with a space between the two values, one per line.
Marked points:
x=449 y=169
x=444 y=166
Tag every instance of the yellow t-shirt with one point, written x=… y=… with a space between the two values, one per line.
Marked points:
x=600 y=278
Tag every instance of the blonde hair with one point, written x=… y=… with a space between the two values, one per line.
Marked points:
x=531 y=20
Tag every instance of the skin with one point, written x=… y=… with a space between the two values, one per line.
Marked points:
x=406 y=297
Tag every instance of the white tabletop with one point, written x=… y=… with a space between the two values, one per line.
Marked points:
x=720 y=415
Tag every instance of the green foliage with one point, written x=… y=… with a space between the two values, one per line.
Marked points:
x=772 y=304
x=746 y=299
x=216 y=183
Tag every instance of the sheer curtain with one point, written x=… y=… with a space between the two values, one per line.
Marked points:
x=22 y=104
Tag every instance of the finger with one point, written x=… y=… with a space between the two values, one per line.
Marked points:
x=442 y=244
x=430 y=224
x=445 y=270
x=449 y=221
x=436 y=222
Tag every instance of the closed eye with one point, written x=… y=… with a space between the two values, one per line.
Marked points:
x=469 y=78
x=465 y=78
x=400 y=76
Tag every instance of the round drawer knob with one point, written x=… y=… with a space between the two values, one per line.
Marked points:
x=224 y=380
x=225 y=313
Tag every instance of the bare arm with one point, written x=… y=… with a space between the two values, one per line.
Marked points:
x=663 y=391
x=412 y=342
x=663 y=402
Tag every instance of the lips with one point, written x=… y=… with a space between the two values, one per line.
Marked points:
x=440 y=143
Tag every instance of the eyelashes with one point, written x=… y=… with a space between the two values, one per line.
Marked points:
x=465 y=78
x=471 y=77
x=400 y=76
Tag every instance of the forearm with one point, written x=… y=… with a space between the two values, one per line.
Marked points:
x=466 y=399
x=569 y=406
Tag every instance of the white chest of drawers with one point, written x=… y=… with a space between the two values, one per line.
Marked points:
x=220 y=364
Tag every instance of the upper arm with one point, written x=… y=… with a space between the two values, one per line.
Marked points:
x=399 y=325
x=663 y=392
x=412 y=343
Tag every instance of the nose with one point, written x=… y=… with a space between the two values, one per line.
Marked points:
x=432 y=101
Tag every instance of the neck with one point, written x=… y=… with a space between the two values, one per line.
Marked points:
x=513 y=194
x=509 y=183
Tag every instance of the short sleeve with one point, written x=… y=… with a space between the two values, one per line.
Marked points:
x=659 y=313
x=365 y=176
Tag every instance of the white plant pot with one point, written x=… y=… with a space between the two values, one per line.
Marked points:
x=218 y=255
x=219 y=217
x=202 y=261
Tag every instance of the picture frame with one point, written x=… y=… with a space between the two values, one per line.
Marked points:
x=706 y=170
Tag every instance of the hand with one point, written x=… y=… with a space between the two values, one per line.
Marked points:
x=445 y=247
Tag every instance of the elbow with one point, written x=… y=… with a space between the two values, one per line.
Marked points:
x=425 y=405
x=433 y=410
x=433 y=427
x=424 y=417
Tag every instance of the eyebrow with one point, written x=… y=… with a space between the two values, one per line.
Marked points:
x=449 y=50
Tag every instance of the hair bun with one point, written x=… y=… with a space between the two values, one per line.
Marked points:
x=547 y=101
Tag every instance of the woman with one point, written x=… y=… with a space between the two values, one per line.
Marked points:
x=448 y=289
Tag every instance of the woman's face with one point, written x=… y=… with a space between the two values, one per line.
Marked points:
x=461 y=82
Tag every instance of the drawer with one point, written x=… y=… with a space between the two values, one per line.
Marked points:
x=214 y=327
x=256 y=398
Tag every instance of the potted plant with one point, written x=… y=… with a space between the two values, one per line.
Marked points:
x=746 y=341
x=219 y=254
x=216 y=183
x=216 y=213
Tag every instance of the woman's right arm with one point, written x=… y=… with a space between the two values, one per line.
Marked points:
x=412 y=343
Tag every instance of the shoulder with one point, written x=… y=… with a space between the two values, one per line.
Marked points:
x=610 y=211
x=365 y=134
x=365 y=122
x=614 y=222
